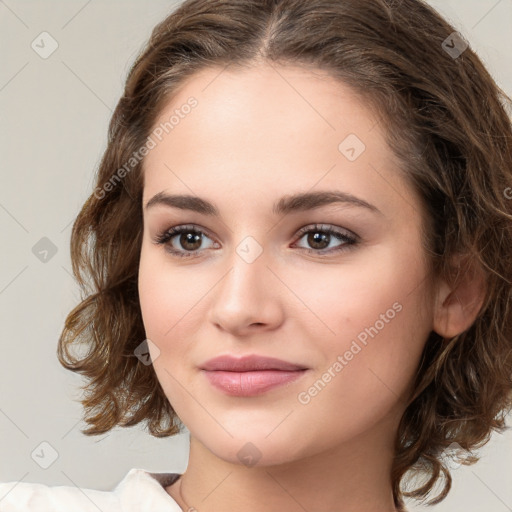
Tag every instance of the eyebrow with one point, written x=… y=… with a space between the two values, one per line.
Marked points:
x=287 y=204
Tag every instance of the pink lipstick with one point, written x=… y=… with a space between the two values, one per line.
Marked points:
x=250 y=375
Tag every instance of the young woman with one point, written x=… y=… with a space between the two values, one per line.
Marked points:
x=298 y=247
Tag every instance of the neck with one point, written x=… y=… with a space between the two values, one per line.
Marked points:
x=352 y=477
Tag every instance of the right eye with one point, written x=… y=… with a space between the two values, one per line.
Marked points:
x=188 y=237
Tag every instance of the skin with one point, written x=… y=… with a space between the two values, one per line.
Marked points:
x=258 y=134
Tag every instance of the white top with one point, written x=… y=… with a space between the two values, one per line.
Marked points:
x=138 y=491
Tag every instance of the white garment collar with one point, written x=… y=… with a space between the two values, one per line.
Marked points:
x=145 y=490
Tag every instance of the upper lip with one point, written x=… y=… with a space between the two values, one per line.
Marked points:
x=249 y=363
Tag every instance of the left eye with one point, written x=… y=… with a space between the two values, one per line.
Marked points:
x=191 y=238
x=318 y=235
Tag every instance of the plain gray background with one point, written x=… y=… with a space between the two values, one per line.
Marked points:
x=54 y=117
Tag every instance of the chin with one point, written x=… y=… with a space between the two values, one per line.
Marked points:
x=260 y=449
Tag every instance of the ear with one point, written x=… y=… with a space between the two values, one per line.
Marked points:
x=459 y=296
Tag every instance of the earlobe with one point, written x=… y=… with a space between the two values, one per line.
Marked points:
x=459 y=297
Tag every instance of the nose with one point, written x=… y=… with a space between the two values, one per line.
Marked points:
x=248 y=298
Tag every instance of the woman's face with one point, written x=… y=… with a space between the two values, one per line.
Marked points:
x=260 y=273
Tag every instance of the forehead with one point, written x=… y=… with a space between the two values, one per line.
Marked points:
x=269 y=128
x=268 y=102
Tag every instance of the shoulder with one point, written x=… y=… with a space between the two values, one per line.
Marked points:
x=126 y=496
x=34 y=497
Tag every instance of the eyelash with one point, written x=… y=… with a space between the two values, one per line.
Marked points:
x=350 y=240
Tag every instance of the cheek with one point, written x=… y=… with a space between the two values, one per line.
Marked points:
x=166 y=303
x=165 y=296
x=174 y=304
x=380 y=288
x=380 y=325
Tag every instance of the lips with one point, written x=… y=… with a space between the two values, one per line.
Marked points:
x=249 y=363
x=250 y=375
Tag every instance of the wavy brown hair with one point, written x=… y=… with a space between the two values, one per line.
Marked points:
x=447 y=122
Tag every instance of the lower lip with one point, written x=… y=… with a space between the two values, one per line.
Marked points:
x=251 y=383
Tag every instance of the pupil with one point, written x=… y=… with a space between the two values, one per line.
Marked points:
x=189 y=238
x=318 y=238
